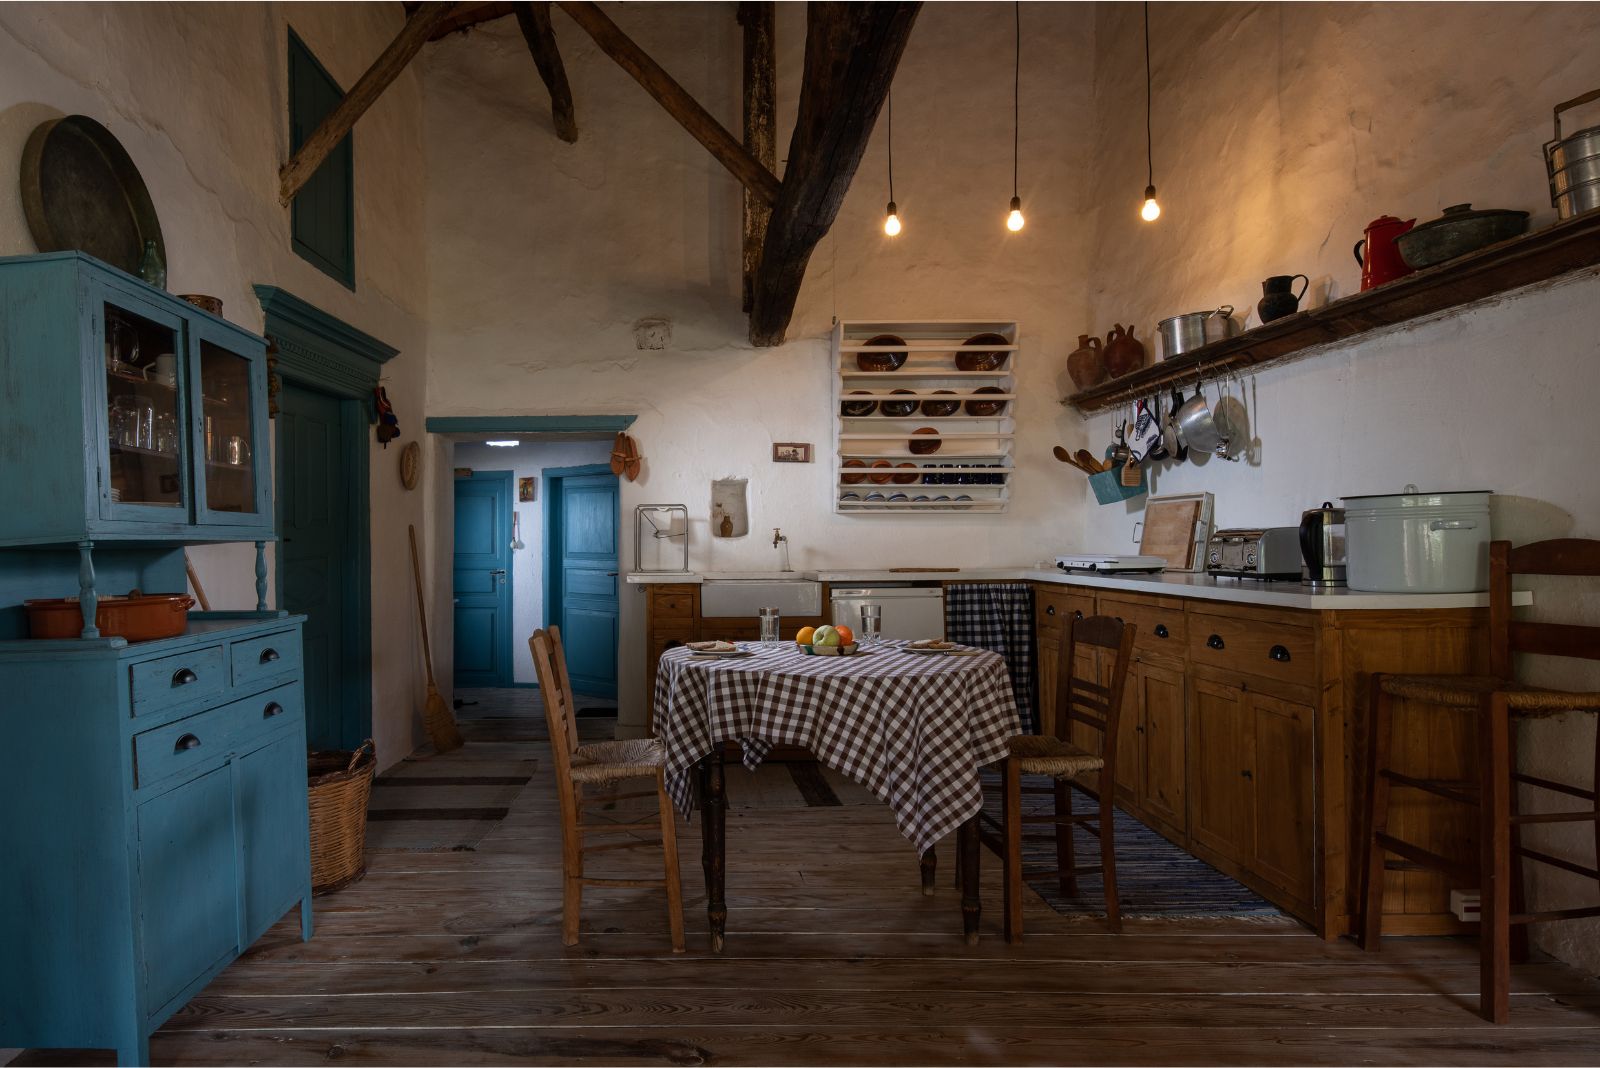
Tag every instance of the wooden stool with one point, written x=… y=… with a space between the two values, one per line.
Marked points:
x=1495 y=698
x=601 y=763
x=1078 y=700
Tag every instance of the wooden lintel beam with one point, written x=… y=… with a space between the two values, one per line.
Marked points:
x=534 y=20
x=384 y=70
x=468 y=16
x=758 y=18
x=852 y=51
x=674 y=98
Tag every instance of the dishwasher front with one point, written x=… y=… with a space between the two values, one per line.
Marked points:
x=908 y=611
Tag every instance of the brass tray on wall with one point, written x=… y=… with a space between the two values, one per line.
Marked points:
x=80 y=190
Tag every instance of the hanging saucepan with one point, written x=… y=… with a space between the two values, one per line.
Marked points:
x=1195 y=425
x=1170 y=438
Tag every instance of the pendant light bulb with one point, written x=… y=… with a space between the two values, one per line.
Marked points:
x=1151 y=210
x=891 y=223
x=1014 y=221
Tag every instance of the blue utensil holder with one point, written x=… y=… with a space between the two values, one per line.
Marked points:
x=1108 y=487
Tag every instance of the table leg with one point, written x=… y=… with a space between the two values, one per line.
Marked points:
x=930 y=867
x=714 y=851
x=971 y=900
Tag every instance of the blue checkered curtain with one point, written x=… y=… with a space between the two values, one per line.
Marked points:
x=997 y=616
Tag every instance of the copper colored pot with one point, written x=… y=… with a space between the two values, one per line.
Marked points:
x=137 y=617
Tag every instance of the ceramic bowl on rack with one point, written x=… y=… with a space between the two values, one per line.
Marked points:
x=986 y=408
x=939 y=409
x=883 y=477
x=857 y=408
x=975 y=356
x=852 y=479
x=900 y=408
x=882 y=361
x=910 y=477
x=924 y=441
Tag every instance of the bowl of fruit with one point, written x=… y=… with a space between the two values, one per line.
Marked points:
x=827 y=641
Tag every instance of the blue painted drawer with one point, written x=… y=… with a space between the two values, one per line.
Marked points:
x=270 y=656
x=176 y=747
x=180 y=679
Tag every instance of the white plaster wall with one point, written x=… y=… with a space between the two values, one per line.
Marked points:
x=530 y=460
x=1280 y=131
x=197 y=94
x=543 y=254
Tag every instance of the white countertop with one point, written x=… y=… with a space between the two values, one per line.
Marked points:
x=1201 y=587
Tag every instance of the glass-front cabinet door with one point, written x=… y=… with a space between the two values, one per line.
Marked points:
x=143 y=440
x=229 y=388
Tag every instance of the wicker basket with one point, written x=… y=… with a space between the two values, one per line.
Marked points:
x=340 y=783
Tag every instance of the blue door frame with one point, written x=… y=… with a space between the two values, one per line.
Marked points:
x=502 y=673
x=555 y=594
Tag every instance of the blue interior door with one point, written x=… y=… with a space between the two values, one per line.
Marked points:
x=584 y=563
x=482 y=579
x=315 y=553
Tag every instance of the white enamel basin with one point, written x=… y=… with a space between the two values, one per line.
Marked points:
x=754 y=590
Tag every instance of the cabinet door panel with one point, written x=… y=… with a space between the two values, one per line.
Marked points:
x=1283 y=816
x=1219 y=782
x=273 y=824
x=189 y=900
x=1049 y=647
x=1162 y=758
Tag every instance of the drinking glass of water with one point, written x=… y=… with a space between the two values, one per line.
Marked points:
x=769 y=625
x=871 y=624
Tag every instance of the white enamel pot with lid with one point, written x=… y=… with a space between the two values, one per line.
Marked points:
x=1416 y=542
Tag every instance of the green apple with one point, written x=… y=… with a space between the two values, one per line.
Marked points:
x=827 y=635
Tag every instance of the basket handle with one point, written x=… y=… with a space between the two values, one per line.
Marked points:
x=1593 y=94
x=364 y=747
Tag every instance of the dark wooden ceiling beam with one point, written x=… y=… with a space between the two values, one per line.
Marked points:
x=758 y=18
x=534 y=20
x=468 y=16
x=852 y=51
x=384 y=70
x=722 y=145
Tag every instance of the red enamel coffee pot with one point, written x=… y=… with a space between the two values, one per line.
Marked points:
x=1382 y=262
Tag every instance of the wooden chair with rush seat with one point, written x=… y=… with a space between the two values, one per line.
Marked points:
x=1098 y=706
x=1497 y=700
x=602 y=764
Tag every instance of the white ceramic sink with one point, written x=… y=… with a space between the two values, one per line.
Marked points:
x=744 y=593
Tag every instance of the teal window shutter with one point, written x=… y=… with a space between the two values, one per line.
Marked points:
x=322 y=221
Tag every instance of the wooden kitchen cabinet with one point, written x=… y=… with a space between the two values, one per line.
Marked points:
x=1053 y=608
x=1158 y=753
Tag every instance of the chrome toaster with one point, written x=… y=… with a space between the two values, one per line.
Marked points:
x=1270 y=553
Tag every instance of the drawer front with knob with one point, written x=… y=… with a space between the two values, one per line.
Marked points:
x=1160 y=628
x=271 y=656
x=185 y=678
x=1254 y=647
x=1054 y=609
x=187 y=743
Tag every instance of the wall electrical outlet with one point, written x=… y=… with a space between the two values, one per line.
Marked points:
x=1465 y=904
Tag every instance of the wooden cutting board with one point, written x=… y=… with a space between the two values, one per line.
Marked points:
x=1169 y=532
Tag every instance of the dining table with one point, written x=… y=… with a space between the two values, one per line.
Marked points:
x=914 y=727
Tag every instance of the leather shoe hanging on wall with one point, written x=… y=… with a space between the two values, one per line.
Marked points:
x=625 y=458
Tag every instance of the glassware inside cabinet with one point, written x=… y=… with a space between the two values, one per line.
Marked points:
x=141 y=406
x=228 y=430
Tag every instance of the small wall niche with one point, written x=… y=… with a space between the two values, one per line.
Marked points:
x=730 y=514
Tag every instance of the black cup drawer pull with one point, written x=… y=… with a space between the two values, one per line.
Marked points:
x=184 y=676
x=1214 y=642
x=269 y=656
x=1279 y=653
x=1049 y=609
x=1077 y=613
x=1162 y=631
x=187 y=742
x=273 y=709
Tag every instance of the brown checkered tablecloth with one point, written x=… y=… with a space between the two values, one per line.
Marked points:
x=912 y=728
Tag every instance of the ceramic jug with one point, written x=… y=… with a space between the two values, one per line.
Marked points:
x=1278 y=297
x=1086 y=365
x=1123 y=352
x=1381 y=260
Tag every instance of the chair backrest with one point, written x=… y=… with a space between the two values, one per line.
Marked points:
x=1091 y=701
x=1577 y=557
x=555 y=690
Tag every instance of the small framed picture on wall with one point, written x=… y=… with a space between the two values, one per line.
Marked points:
x=525 y=488
x=791 y=452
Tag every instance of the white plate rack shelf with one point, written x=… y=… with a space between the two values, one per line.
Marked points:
x=881 y=464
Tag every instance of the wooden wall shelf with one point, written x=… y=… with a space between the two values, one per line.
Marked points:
x=1560 y=249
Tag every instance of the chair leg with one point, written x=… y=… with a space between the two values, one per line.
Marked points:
x=1108 y=851
x=1013 y=833
x=1519 y=889
x=1375 y=821
x=1494 y=926
x=1066 y=848
x=669 y=852
x=572 y=873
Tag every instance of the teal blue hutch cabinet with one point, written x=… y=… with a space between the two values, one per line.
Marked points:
x=155 y=791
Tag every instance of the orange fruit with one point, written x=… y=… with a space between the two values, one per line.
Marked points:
x=846 y=635
x=805 y=636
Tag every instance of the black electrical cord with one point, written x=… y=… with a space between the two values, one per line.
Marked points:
x=891 y=146
x=1149 y=143
x=1016 y=103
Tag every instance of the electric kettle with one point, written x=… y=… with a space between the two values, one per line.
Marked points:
x=1322 y=546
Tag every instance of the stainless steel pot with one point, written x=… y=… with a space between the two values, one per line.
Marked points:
x=1573 y=164
x=1187 y=332
x=1196 y=427
x=1415 y=542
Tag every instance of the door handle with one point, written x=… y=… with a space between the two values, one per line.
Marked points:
x=183 y=677
x=273 y=708
x=611 y=574
x=1162 y=631
x=1214 y=642
x=269 y=656
x=188 y=741
x=1280 y=654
